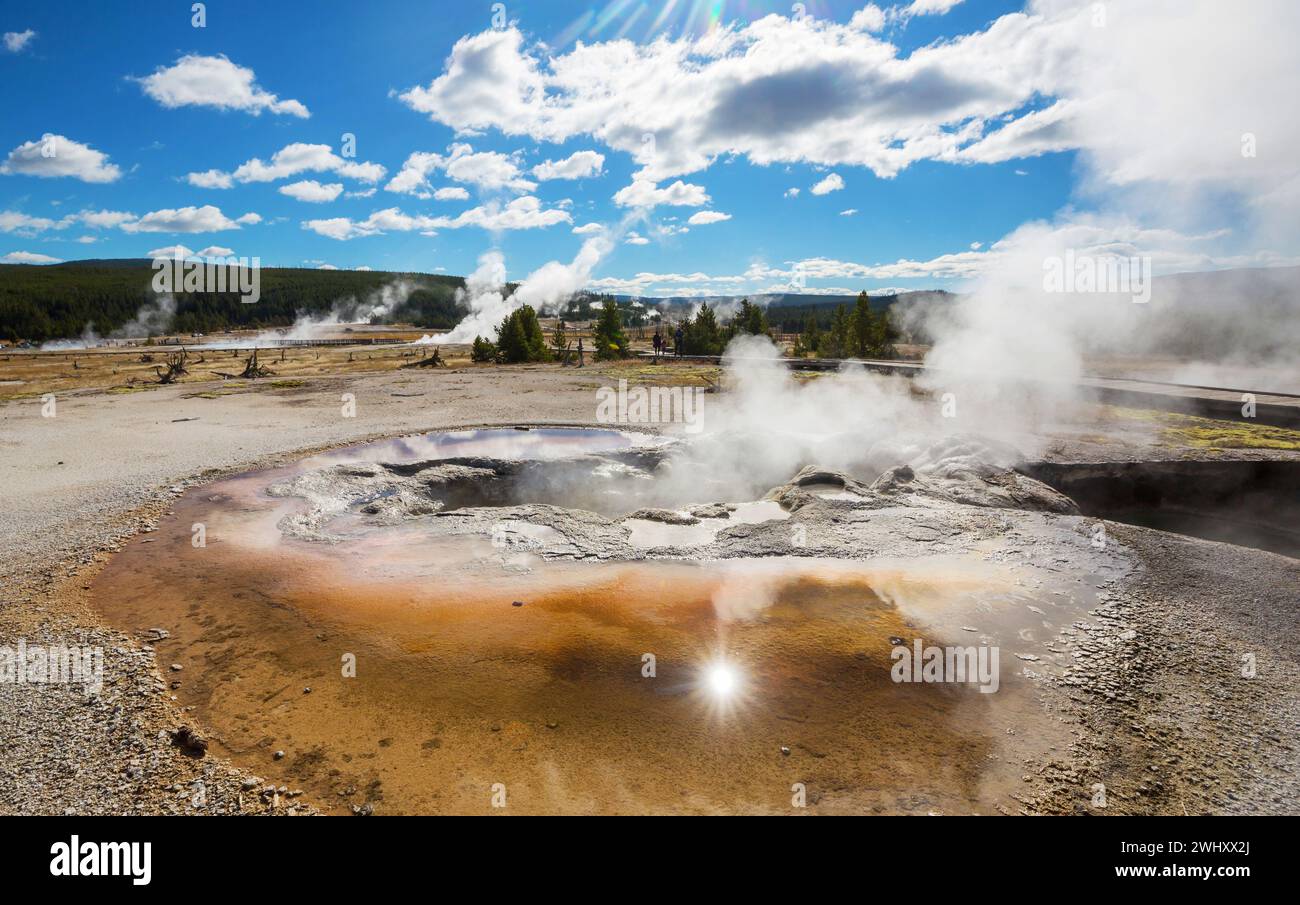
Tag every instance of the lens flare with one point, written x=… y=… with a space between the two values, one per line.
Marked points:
x=722 y=680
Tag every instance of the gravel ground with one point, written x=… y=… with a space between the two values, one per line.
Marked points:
x=1163 y=717
x=78 y=484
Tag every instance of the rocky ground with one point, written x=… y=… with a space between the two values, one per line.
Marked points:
x=1150 y=681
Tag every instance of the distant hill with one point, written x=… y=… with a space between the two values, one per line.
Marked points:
x=65 y=300
x=788 y=312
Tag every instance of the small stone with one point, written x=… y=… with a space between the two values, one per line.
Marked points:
x=785 y=751
x=307 y=690
x=279 y=755
x=517 y=603
x=176 y=667
x=190 y=741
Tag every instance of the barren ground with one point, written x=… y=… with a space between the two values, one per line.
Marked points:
x=1185 y=734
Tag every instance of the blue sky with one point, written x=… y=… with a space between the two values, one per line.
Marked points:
x=964 y=143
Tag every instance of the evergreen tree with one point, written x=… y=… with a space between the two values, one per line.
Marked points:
x=512 y=344
x=611 y=341
x=560 y=337
x=838 y=340
x=702 y=335
x=520 y=337
x=812 y=336
x=750 y=319
x=483 y=350
x=862 y=328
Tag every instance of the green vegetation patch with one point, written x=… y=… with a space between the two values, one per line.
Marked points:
x=1209 y=433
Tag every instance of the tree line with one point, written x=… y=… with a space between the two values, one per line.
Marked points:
x=64 y=300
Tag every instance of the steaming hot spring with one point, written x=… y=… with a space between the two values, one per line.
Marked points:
x=592 y=620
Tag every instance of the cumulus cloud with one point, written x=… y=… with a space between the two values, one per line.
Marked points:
x=103 y=219
x=312 y=191
x=644 y=194
x=291 y=160
x=832 y=183
x=28 y=257
x=487 y=170
x=588 y=229
x=215 y=81
x=15 y=42
x=705 y=217
x=205 y=219
x=579 y=165
x=524 y=212
x=210 y=179
x=930 y=7
x=25 y=224
x=56 y=155
x=848 y=212
x=634 y=238
x=778 y=89
x=1040 y=132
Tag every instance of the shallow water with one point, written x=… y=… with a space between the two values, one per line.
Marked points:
x=457 y=688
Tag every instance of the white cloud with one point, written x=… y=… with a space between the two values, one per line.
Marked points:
x=705 y=217
x=54 y=155
x=588 y=229
x=201 y=81
x=451 y=193
x=976 y=246
x=28 y=257
x=832 y=183
x=792 y=193
x=171 y=251
x=24 y=224
x=249 y=219
x=216 y=251
x=15 y=41
x=210 y=179
x=930 y=7
x=326 y=267
x=312 y=191
x=869 y=18
x=488 y=170
x=777 y=89
x=579 y=165
x=524 y=212
x=1040 y=132
x=848 y=212
x=297 y=158
x=634 y=238
x=412 y=178
x=642 y=193
x=104 y=219
x=205 y=219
